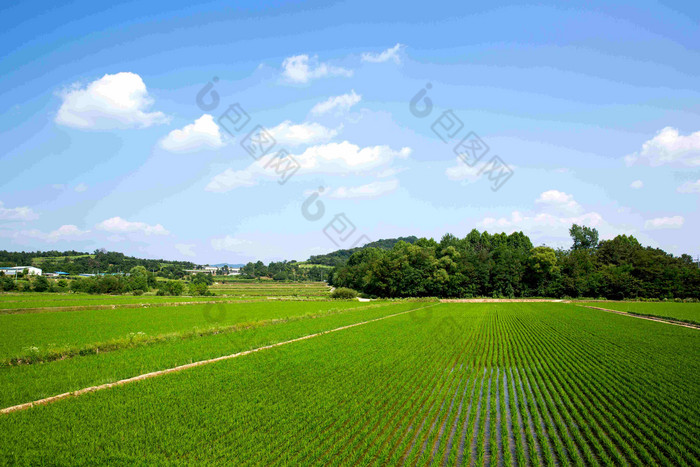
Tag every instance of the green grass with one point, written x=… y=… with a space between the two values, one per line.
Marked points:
x=590 y=387
x=26 y=383
x=10 y=302
x=41 y=336
x=688 y=312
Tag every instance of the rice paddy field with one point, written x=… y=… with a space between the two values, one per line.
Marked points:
x=272 y=289
x=351 y=383
x=9 y=302
x=686 y=312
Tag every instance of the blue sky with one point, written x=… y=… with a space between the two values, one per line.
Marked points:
x=590 y=112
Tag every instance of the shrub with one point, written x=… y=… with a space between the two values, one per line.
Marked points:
x=344 y=293
x=199 y=288
x=170 y=288
x=7 y=283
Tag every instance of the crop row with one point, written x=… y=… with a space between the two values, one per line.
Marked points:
x=458 y=384
x=26 y=383
x=687 y=312
x=38 y=336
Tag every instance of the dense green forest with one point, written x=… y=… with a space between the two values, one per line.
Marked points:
x=340 y=257
x=502 y=265
x=284 y=271
x=101 y=261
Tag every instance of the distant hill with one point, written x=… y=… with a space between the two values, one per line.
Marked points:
x=221 y=265
x=340 y=257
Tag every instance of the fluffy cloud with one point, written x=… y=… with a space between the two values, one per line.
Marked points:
x=558 y=201
x=551 y=226
x=668 y=147
x=204 y=133
x=68 y=231
x=287 y=133
x=22 y=213
x=690 y=187
x=302 y=69
x=345 y=157
x=230 y=179
x=229 y=243
x=80 y=187
x=341 y=103
x=65 y=232
x=370 y=190
x=111 y=102
x=467 y=174
x=185 y=249
x=330 y=159
x=389 y=54
x=675 y=222
x=542 y=223
x=637 y=184
x=119 y=225
x=463 y=172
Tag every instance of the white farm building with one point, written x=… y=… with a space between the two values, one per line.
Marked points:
x=31 y=270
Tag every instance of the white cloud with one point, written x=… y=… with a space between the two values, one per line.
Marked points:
x=185 y=249
x=81 y=187
x=668 y=147
x=559 y=201
x=229 y=243
x=551 y=227
x=463 y=172
x=390 y=172
x=389 y=54
x=466 y=174
x=637 y=184
x=340 y=103
x=330 y=159
x=204 y=133
x=119 y=225
x=65 y=232
x=345 y=157
x=230 y=179
x=690 y=187
x=370 y=190
x=302 y=69
x=287 y=133
x=111 y=102
x=21 y=213
x=675 y=222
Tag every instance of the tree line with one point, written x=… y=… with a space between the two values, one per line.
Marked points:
x=103 y=261
x=284 y=271
x=137 y=281
x=501 y=265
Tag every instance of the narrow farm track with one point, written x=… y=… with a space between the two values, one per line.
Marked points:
x=502 y=384
x=154 y=374
x=647 y=317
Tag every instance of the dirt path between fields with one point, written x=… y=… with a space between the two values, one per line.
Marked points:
x=647 y=317
x=501 y=300
x=153 y=374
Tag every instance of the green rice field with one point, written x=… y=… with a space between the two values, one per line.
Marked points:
x=411 y=383
x=688 y=312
